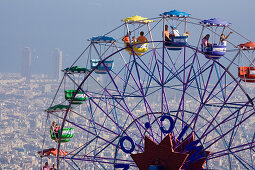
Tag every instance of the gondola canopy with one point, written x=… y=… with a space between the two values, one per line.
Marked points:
x=102 y=39
x=137 y=19
x=175 y=13
x=215 y=22
x=248 y=46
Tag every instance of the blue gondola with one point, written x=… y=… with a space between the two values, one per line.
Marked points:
x=103 y=67
x=176 y=43
x=214 y=51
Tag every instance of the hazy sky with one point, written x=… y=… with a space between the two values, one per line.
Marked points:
x=45 y=25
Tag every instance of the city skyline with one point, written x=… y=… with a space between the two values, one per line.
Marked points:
x=28 y=60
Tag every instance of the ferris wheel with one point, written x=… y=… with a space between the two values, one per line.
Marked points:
x=176 y=99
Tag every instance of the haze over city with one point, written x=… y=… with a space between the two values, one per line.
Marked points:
x=64 y=24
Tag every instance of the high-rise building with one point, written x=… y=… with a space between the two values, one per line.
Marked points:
x=57 y=63
x=26 y=63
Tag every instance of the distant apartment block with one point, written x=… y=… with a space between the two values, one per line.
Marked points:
x=57 y=63
x=26 y=63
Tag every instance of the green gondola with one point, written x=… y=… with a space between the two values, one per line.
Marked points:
x=76 y=69
x=67 y=134
x=78 y=99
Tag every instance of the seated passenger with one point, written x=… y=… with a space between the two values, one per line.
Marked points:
x=53 y=167
x=133 y=39
x=54 y=128
x=186 y=34
x=46 y=166
x=175 y=32
x=142 y=38
x=205 y=42
x=53 y=125
x=223 y=39
x=166 y=34
x=126 y=39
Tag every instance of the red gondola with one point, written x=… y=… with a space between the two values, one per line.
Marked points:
x=247 y=73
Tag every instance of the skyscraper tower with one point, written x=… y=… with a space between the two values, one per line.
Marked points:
x=26 y=63
x=57 y=63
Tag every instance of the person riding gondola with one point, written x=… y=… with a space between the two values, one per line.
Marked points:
x=205 y=40
x=174 y=32
x=46 y=166
x=223 y=39
x=166 y=34
x=126 y=39
x=54 y=128
x=53 y=167
x=142 y=38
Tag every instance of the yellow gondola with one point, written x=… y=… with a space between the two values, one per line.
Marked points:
x=138 y=48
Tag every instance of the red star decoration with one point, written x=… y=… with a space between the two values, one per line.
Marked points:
x=170 y=153
x=159 y=154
